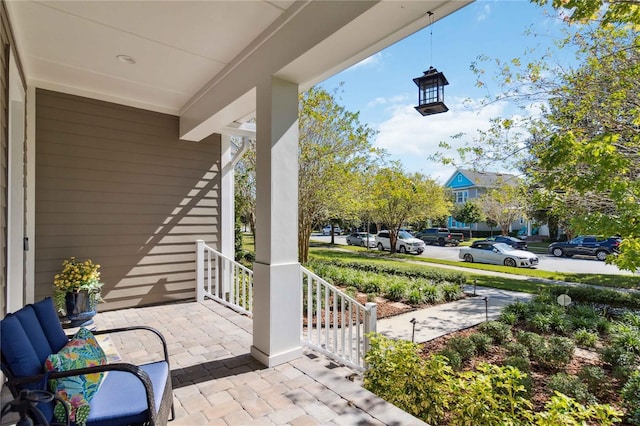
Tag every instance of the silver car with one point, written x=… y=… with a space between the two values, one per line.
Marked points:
x=498 y=254
x=361 y=239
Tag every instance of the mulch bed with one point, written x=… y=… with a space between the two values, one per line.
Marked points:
x=540 y=376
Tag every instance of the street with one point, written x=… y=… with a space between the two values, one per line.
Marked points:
x=583 y=265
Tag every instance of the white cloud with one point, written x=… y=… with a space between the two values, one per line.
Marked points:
x=370 y=61
x=411 y=138
x=385 y=101
x=484 y=14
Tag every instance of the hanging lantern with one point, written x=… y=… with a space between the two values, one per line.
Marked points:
x=431 y=92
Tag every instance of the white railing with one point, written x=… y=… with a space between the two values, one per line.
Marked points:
x=223 y=279
x=334 y=323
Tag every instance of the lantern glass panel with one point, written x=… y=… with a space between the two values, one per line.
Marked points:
x=431 y=91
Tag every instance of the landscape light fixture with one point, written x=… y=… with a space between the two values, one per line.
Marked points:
x=413 y=332
x=431 y=87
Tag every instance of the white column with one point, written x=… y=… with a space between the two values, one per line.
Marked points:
x=31 y=196
x=277 y=315
x=227 y=210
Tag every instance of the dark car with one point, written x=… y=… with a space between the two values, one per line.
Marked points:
x=512 y=241
x=586 y=245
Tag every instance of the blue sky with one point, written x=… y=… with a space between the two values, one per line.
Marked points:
x=381 y=87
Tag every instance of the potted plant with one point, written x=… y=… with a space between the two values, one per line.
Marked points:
x=77 y=291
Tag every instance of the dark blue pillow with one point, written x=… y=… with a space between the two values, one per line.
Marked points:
x=33 y=329
x=50 y=323
x=17 y=349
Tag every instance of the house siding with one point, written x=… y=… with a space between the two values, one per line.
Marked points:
x=116 y=185
x=4 y=152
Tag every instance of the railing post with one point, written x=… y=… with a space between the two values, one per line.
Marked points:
x=371 y=315
x=200 y=271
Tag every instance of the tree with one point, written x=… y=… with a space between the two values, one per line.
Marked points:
x=593 y=144
x=469 y=212
x=399 y=198
x=335 y=149
x=245 y=187
x=582 y=147
x=491 y=224
x=609 y=11
x=503 y=205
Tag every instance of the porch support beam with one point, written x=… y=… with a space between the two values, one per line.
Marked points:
x=277 y=312
x=227 y=210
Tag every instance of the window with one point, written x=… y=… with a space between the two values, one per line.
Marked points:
x=461 y=196
x=455 y=224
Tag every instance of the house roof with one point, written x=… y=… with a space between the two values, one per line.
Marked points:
x=480 y=179
x=202 y=60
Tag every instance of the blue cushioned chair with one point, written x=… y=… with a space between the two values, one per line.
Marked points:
x=130 y=394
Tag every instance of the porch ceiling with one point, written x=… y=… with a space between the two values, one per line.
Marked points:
x=201 y=60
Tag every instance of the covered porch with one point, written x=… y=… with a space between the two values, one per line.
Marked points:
x=217 y=382
x=117 y=124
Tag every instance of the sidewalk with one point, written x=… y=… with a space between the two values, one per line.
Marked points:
x=443 y=319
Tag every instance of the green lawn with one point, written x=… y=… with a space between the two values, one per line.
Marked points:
x=531 y=285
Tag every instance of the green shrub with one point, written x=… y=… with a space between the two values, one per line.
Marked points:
x=371 y=297
x=588 y=295
x=371 y=284
x=509 y=318
x=630 y=318
x=622 y=362
x=452 y=291
x=452 y=357
x=541 y=322
x=524 y=365
x=351 y=292
x=585 y=338
x=464 y=346
x=516 y=349
x=570 y=386
x=623 y=351
x=557 y=353
x=398 y=269
x=594 y=378
x=521 y=363
x=499 y=388
x=498 y=331
x=431 y=293
x=482 y=342
x=398 y=374
x=563 y=410
x=631 y=398
x=626 y=336
x=585 y=323
x=583 y=311
x=518 y=308
x=395 y=291
x=534 y=342
x=559 y=322
x=415 y=296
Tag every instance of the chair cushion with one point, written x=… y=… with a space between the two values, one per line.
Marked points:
x=50 y=323
x=122 y=396
x=82 y=351
x=31 y=325
x=17 y=349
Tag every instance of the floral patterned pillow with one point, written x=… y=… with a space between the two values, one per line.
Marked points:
x=82 y=351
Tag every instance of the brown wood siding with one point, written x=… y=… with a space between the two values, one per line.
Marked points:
x=116 y=185
x=4 y=152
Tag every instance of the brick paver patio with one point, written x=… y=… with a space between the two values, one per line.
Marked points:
x=217 y=382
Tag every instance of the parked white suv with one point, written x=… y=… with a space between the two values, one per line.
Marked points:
x=405 y=243
x=327 y=230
